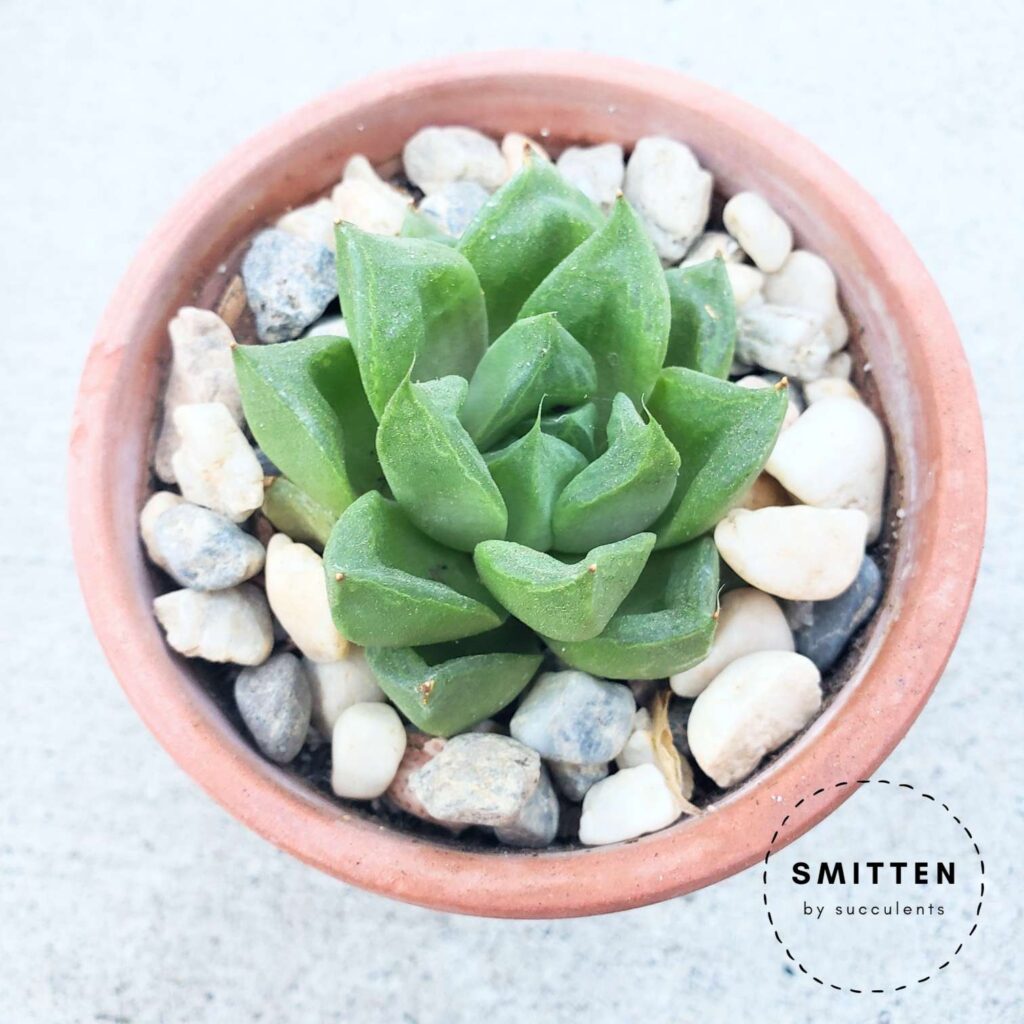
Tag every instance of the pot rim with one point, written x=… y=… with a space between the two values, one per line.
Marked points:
x=687 y=856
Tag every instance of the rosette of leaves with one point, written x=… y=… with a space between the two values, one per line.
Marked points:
x=521 y=446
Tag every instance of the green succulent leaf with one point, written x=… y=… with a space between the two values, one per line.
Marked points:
x=610 y=295
x=624 y=490
x=444 y=694
x=665 y=625
x=577 y=427
x=408 y=303
x=724 y=435
x=535 y=364
x=703 y=333
x=530 y=473
x=304 y=403
x=433 y=468
x=560 y=600
x=416 y=225
x=391 y=586
x=296 y=514
x=522 y=233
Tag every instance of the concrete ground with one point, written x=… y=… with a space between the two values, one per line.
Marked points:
x=125 y=894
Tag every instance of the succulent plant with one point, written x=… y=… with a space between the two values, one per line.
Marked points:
x=521 y=444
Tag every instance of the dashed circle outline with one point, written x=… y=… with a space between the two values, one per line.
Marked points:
x=871 y=991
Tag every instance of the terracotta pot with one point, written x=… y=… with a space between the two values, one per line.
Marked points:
x=923 y=388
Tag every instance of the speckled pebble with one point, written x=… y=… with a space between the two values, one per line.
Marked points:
x=478 y=779
x=204 y=550
x=571 y=716
x=834 y=622
x=289 y=282
x=573 y=780
x=536 y=825
x=453 y=207
x=274 y=702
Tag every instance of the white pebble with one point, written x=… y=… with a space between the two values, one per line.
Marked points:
x=514 y=148
x=830 y=387
x=751 y=708
x=746 y=282
x=297 y=592
x=158 y=503
x=797 y=552
x=748 y=621
x=784 y=339
x=435 y=157
x=327 y=326
x=337 y=685
x=761 y=232
x=363 y=199
x=214 y=465
x=221 y=625
x=755 y=383
x=710 y=245
x=366 y=749
x=806 y=281
x=597 y=171
x=671 y=192
x=630 y=803
x=839 y=365
x=834 y=457
x=201 y=371
x=314 y=222
x=639 y=748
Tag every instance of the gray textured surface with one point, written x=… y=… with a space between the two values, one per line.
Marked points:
x=125 y=895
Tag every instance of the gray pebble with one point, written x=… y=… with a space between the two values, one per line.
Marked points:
x=289 y=282
x=571 y=716
x=537 y=823
x=275 y=701
x=834 y=622
x=204 y=550
x=573 y=780
x=478 y=779
x=454 y=206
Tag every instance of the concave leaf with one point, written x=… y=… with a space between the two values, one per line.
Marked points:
x=703 y=333
x=560 y=600
x=444 y=694
x=408 y=303
x=433 y=468
x=530 y=473
x=304 y=403
x=535 y=364
x=296 y=514
x=724 y=435
x=610 y=295
x=624 y=490
x=391 y=586
x=415 y=225
x=522 y=233
x=665 y=625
